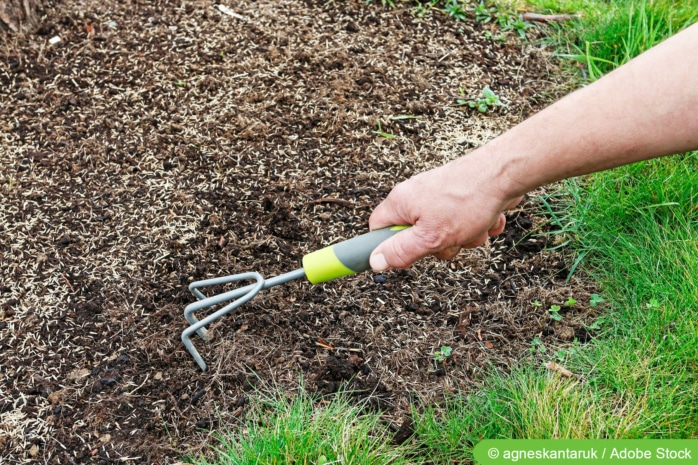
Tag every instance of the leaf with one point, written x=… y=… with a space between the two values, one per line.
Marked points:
x=384 y=134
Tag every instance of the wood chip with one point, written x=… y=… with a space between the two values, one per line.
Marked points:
x=549 y=18
x=552 y=366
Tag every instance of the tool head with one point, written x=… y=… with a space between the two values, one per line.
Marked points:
x=238 y=296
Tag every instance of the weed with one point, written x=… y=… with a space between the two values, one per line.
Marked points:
x=537 y=346
x=487 y=101
x=422 y=9
x=514 y=22
x=570 y=302
x=380 y=132
x=597 y=324
x=555 y=312
x=484 y=13
x=595 y=300
x=442 y=354
x=490 y=36
x=454 y=10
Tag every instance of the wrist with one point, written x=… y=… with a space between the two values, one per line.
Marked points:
x=501 y=172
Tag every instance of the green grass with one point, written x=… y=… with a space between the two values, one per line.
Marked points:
x=639 y=235
x=633 y=229
x=611 y=33
x=299 y=429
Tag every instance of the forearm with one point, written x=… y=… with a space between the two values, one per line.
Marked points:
x=645 y=109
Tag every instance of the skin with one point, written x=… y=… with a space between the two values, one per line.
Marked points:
x=645 y=109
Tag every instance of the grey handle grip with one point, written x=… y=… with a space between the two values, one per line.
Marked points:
x=345 y=258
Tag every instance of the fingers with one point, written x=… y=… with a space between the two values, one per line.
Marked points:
x=400 y=251
x=498 y=227
x=448 y=254
x=385 y=214
x=405 y=248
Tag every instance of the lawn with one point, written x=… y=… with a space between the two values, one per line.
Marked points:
x=160 y=144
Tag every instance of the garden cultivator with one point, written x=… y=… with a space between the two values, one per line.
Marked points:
x=341 y=259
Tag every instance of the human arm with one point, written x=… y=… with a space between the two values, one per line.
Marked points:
x=644 y=109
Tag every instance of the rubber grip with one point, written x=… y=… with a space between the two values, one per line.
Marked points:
x=345 y=258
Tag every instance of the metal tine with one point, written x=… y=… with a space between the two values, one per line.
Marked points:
x=247 y=293
x=206 y=302
x=241 y=296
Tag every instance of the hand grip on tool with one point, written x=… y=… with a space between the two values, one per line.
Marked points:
x=347 y=257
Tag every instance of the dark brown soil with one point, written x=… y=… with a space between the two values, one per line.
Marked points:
x=165 y=142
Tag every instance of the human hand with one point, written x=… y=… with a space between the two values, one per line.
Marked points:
x=458 y=205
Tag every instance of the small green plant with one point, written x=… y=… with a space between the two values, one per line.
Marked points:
x=555 y=312
x=595 y=300
x=536 y=303
x=422 y=9
x=490 y=36
x=597 y=324
x=180 y=83
x=652 y=304
x=454 y=10
x=537 y=346
x=487 y=101
x=570 y=301
x=484 y=13
x=442 y=354
x=514 y=22
x=381 y=133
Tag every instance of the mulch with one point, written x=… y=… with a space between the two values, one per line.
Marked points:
x=160 y=142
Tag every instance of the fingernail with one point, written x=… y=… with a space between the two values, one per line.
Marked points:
x=378 y=262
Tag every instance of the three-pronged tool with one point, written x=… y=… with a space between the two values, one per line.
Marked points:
x=341 y=259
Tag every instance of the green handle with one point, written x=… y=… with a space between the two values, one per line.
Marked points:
x=345 y=258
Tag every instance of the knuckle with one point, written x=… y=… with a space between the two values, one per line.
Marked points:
x=434 y=239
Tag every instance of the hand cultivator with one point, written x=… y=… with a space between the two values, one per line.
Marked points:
x=342 y=259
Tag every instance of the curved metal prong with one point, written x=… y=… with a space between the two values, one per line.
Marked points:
x=241 y=296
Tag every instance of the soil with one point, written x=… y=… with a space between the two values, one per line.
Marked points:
x=163 y=142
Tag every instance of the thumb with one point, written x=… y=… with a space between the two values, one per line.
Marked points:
x=399 y=251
